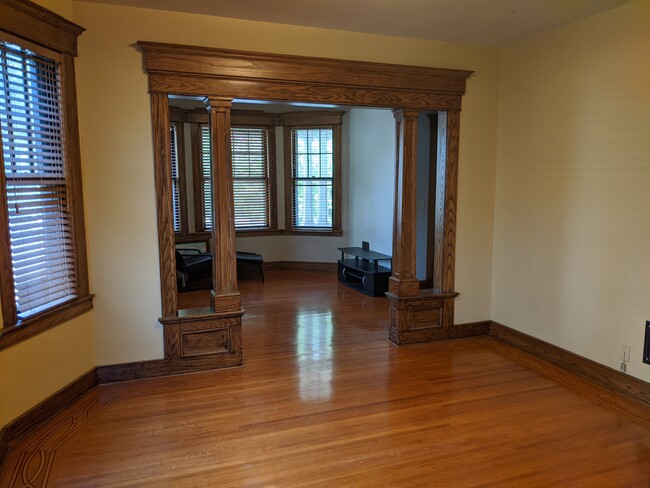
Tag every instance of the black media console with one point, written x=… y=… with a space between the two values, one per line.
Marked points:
x=363 y=272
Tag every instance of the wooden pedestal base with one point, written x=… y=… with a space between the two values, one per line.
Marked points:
x=199 y=342
x=427 y=317
x=213 y=338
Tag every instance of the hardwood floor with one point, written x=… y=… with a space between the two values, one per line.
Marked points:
x=324 y=400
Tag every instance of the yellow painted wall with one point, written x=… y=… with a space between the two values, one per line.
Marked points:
x=62 y=7
x=572 y=225
x=118 y=168
x=35 y=369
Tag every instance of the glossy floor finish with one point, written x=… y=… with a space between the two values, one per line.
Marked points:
x=324 y=400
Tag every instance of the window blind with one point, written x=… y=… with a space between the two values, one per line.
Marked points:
x=312 y=177
x=40 y=226
x=206 y=177
x=250 y=171
x=176 y=200
x=250 y=168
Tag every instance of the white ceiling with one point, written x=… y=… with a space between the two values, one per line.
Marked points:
x=492 y=22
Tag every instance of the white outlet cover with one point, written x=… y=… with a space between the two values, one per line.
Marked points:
x=625 y=353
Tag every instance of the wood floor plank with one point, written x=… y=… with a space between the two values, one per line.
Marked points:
x=324 y=400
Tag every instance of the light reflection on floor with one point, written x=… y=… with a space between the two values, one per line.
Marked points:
x=314 y=350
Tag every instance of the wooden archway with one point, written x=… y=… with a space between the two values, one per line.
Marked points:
x=223 y=75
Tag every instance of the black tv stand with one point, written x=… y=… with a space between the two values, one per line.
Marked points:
x=363 y=272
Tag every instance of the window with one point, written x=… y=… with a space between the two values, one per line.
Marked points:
x=253 y=185
x=176 y=191
x=205 y=177
x=313 y=182
x=312 y=173
x=35 y=182
x=42 y=243
x=250 y=171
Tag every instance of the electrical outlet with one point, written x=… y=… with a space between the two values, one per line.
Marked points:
x=646 y=343
x=625 y=353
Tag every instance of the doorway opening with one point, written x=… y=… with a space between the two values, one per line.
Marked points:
x=416 y=315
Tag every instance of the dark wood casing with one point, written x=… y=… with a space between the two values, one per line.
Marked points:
x=223 y=75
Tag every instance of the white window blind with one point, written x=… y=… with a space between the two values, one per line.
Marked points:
x=206 y=177
x=250 y=172
x=312 y=158
x=40 y=226
x=250 y=168
x=176 y=200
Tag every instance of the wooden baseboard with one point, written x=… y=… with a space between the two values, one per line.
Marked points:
x=470 y=329
x=35 y=417
x=4 y=448
x=456 y=331
x=163 y=367
x=301 y=266
x=606 y=385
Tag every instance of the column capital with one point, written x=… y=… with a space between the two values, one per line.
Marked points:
x=405 y=114
x=212 y=103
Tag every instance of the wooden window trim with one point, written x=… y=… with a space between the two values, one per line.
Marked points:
x=309 y=120
x=272 y=179
x=35 y=24
x=259 y=232
x=259 y=118
x=201 y=236
x=312 y=232
x=43 y=321
x=195 y=136
x=197 y=121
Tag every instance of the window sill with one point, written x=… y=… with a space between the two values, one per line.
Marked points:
x=206 y=236
x=259 y=232
x=32 y=326
x=313 y=232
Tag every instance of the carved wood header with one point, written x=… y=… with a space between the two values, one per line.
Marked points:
x=30 y=21
x=201 y=71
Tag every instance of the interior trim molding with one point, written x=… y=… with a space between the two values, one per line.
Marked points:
x=160 y=367
x=4 y=448
x=29 y=421
x=301 y=266
x=196 y=70
x=10 y=336
x=222 y=75
x=605 y=385
x=469 y=329
x=30 y=21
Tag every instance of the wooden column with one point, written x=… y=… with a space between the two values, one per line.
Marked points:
x=225 y=296
x=163 y=177
x=424 y=315
x=447 y=191
x=211 y=338
x=404 y=283
x=431 y=197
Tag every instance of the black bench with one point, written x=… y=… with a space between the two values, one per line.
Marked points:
x=195 y=267
x=252 y=258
